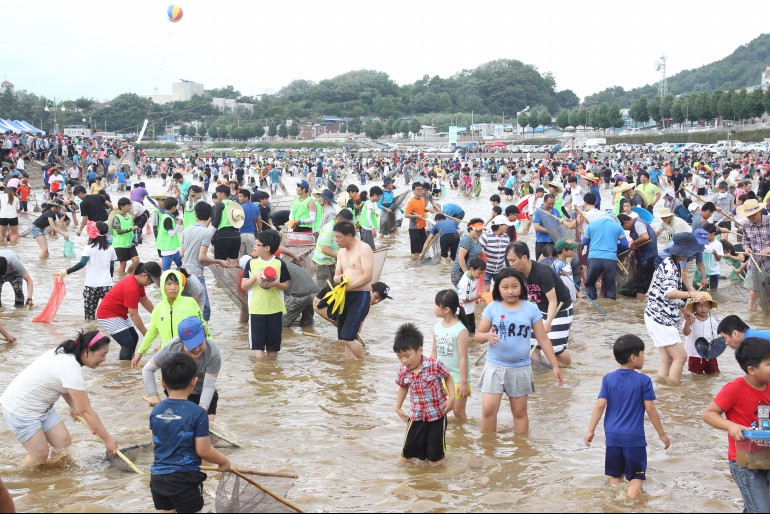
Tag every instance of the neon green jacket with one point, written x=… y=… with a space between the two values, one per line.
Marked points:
x=166 y=318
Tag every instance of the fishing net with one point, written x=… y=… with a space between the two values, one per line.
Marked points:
x=760 y=282
x=554 y=227
x=54 y=301
x=228 y=279
x=234 y=494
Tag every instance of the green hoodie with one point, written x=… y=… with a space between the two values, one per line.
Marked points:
x=166 y=317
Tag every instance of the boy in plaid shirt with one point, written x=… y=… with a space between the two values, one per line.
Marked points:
x=431 y=395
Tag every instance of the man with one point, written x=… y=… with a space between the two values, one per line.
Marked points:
x=299 y=297
x=327 y=205
x=724 y=203
x=494 y=242
x=667 y=225
x=326 y=248
x=542 y=236
x=605 y=238
x=552 y=297
x=183 y=185
x=756 y=243
x=592 y=212
x=303 y=209
x=195 y=250
x=415 y=213
x=355 y=262
x=644 y=246
x=92 y=207
x=649 y=191
x=13 y=271
x=386 y=203
x=227 y=239
x=677 y=179
x=593 y=188
x=250 y=216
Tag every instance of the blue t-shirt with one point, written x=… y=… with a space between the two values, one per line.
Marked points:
x=175 y=424
x=539 y=217
x=444 y=227
x=594 y=189
x=625 y=391
x=251 y=212
x=121 y=177
x=514 y=328
x=511 y=182
x=654 y=175
x=452 y=209
x=753 y=332
x=604 y=235
x=275 y=175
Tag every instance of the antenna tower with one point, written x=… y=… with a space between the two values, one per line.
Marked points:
x=663 y=84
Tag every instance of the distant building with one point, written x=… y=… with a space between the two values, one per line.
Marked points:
x=181 y=91
x=336 y=137
x=765 y=78
x=6 y=86
x=229 y=104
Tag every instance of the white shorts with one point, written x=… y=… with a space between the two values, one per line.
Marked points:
x=661 y=335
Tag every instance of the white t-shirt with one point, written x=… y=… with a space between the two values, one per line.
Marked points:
x=8 y=210
x=711 y=249
x=577 y=196
x=467 y=288
x=35 y=390
x=98 y=268
x=707 y=329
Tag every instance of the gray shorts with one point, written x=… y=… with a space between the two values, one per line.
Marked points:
x=514 y=382
x=25 y=428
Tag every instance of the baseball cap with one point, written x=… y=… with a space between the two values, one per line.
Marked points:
x=693 y=207
x=702 y=236
x=382 y=289
x=501 y=220
x=304 y=185
x=565 y=244
x=191 y=332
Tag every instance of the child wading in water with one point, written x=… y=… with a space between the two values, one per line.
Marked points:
x=698 y=323
x=626 y=395
x=450 y=347
x=421 y=377
x=507 y=324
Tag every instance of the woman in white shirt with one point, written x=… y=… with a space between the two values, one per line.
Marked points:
x=9 y=214
x=28 y=402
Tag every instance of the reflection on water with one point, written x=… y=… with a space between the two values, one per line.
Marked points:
x=333 y=422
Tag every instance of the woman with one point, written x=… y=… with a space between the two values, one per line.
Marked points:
x=118 y=314
x=666 y=298
x=47 y=219
x=193 y=341
x=98 y=258
x=9 y=214
x=28 y=402
x=166 y=315
x=469 y=248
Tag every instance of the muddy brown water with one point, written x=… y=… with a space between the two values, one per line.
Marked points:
x=333 y=422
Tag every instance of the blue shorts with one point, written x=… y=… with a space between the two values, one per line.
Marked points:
x=25 y=428
x=351 y=318
x=628 y=462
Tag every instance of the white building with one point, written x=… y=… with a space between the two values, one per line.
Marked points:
x=6 y=86
x=230 y=104
x=181 y=91
x=765 y=77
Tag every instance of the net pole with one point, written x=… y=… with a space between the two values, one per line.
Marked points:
x=265 y=490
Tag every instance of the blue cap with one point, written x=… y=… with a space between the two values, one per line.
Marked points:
x=191 y=332
x=702 y=236
x=304 y=185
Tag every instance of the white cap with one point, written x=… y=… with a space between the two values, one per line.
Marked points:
x=693 y=207
x=501 y=220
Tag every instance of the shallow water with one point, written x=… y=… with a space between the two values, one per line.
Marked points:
x=333 y=422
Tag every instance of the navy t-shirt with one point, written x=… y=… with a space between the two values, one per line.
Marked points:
x=175 y=424
x=625 y=391
x=444 y=227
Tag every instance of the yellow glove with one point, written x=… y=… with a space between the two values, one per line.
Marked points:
x=291 y=224
x=336 y=297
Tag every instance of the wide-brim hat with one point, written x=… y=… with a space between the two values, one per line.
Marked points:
x=691 y=306
x=591 y=176
x=327 y=195
x=558 y=187
x=665 y=212
x=685 y=245
x=235 y=214
x=622 y=188
x=749 y=208
x=342 y=200
x=710 y=349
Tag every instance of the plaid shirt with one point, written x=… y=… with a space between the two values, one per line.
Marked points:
x=426 y=391
x=758 y=238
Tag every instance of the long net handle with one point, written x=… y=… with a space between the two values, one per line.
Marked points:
x=119 y=453
x=265 y=490
x=214 y=469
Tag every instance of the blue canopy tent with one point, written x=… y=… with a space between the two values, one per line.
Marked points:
x=5 y=126
x=31 y=129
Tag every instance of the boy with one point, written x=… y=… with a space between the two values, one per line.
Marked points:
x=369 y=221
x=421 y=377
x=415 y=212
x=468 y=291
x=738 y=401
x=626 y=395
x=712 y=254
x=735 y=330
x=23 y=192
x=266 y=306
x=123 y=230
x=180 y=433
x=169 y=230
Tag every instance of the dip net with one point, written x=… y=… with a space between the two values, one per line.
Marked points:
x=238 y=493
x=760 y=282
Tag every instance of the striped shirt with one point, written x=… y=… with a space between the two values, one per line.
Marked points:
x=758 y=238
x=494 y=247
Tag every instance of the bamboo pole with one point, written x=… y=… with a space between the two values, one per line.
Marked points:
x=214 y=469
x=119 y=453
x=265 y=490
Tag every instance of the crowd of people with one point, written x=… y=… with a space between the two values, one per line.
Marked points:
x=672 y=222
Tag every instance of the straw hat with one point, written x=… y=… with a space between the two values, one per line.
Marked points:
x=342 y=199
x=591 y=176
x=622 y=188
x=665 y=212
x=691 y=306
x=235 y=214
x=558 y=187
x=749 y=208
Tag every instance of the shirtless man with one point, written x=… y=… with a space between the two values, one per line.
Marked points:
x=355 y=261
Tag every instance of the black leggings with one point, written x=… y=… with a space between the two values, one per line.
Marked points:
x=127 y=339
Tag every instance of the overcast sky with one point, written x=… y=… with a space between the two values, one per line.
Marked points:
x=100 y=49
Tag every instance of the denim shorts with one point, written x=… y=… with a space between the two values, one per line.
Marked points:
x=25 y=428
x=36 y=232
x=514 y=382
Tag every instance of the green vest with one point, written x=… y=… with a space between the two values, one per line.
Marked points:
x=365 y=221
x=123 y=240
x=300 y=210
x=224 y=222
x=265 y=301
x=189 y=218
x=319 y=215
x=164 y=240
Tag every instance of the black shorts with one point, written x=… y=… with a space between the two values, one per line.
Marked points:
x=265 y=331
x=628 y=462
x=349 y=322
x=126 y=254
x=227 y=244
x=417 y=238
x=9 y=222
x=181 y=491
x=425 y=440
x=508 y=191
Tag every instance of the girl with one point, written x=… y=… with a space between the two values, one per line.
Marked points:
x=507 y=324
x=9 y=214
x=665 y=298
x=698 y=323
x=29 y=399
x=450 y=346
x=98 y=258
x=47 y=219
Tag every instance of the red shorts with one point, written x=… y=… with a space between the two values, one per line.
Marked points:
x=700 y=366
